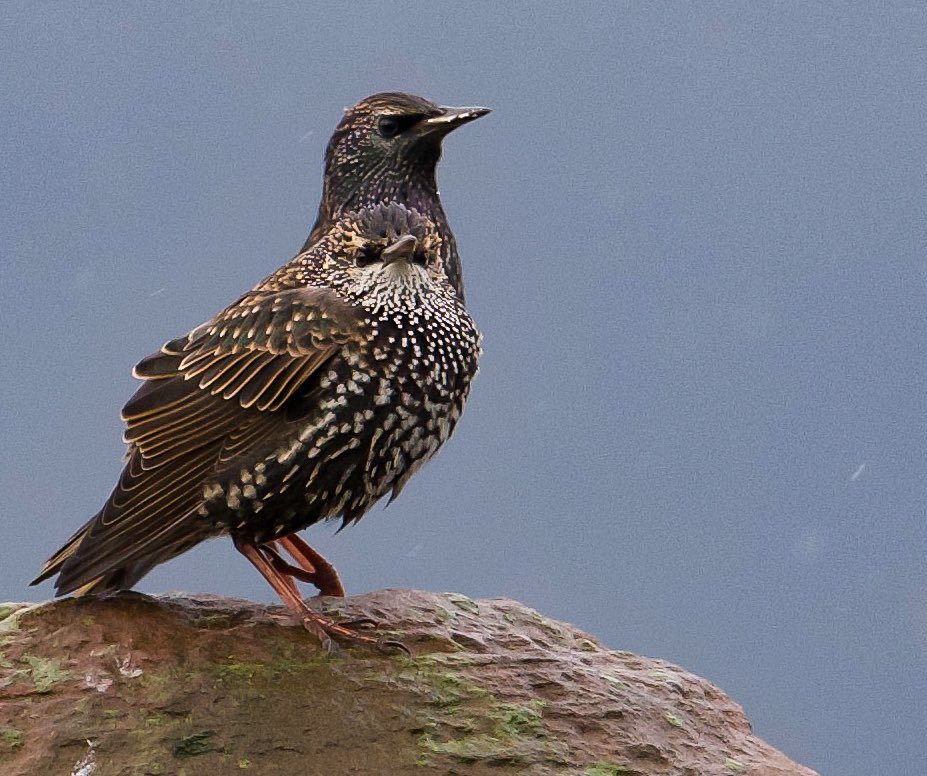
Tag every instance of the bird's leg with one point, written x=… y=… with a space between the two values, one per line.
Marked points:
x=313 y=568
x=269 y=549
x=323 y=574
x=272 y=553
x=315 y=623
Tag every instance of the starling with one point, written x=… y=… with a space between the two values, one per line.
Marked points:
x=386 y=149
x=315 y=394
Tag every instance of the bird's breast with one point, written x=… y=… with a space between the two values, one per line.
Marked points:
x=383 y=408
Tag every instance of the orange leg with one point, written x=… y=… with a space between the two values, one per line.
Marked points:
x=323 y=574
x=315 y=623
x=269 y=550
x=313 y=568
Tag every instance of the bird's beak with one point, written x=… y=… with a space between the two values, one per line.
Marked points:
x=403 y=248
x=451 y=118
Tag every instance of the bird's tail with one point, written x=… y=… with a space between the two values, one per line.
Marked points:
x=113 y=580
x=82 y=568
x=55 y=563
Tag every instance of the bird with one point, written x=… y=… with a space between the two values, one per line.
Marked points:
x=386 y=149
x=315 y=394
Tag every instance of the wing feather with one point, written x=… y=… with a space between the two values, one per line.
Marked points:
x=208 y=399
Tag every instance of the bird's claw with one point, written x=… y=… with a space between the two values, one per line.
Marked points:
x=391 y=646
x=360 y=622
x=329 y=633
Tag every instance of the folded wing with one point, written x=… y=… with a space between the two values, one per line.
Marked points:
x=208 y=399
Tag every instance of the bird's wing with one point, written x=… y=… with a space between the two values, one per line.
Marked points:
x=208 y=398
x=254 y=355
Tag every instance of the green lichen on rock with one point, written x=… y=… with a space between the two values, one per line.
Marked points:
x=236 y=672
x=7 y=610
x=195 y=744
x=9 y=624
x=518 y=720
x=463 y=602
x=467 y=722
x=285 y=665
x=515 y=736
x=11 y=738
x=606 y=769
x=446 y=688
x=46 y=673
x=673 y=720
x=470 y=749
x=614 y=681
x=212 y=621
x=548 y=626
x=160 y=687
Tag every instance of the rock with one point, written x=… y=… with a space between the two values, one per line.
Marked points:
x=185 y=685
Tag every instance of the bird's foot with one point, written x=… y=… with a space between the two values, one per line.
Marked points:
x=328 y=631
x=277 y=572
x=361 y=622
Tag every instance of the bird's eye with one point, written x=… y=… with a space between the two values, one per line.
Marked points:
x=367 y=255
x=419 y=257
x=390 y=126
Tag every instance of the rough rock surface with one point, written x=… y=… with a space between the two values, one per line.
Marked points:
x=200 y=685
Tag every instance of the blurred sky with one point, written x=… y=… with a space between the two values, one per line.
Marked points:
x=693 y=235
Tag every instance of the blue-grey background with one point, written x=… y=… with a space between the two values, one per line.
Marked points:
x=693 y=237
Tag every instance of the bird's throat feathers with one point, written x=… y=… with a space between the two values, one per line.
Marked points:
x=394 y=289
x=351 y=189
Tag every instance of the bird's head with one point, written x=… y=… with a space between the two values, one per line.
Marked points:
x=384 y=251
x=386 y=147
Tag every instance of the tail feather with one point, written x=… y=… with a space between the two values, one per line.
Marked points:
x=55 y=563
x=87 y=570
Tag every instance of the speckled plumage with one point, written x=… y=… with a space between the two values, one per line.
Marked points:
x=315 y=394
x=363 y=167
